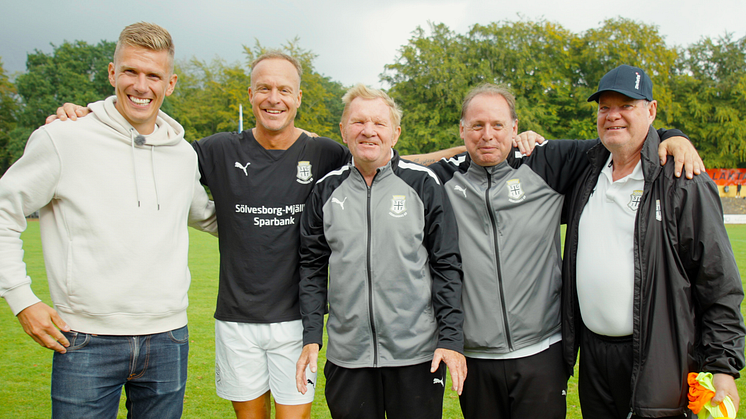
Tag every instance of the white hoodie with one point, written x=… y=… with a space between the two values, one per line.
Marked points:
x=113 y=222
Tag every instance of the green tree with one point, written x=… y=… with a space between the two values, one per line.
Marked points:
x=428 y=80
x=74 y=72
x=535 y=60
x=622 y=41
x=8 y=110
x=710 y=99
x=207 y=97
x=551 y=71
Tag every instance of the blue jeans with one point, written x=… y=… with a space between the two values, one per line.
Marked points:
x=87 y=380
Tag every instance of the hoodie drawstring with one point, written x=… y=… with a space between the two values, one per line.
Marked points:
x=155 y=183
x=134 y=164
x=140 y=140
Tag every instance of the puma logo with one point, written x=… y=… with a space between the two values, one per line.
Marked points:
x=439 y=381
x=460 y=189
x=341 y=203
x=242 y=167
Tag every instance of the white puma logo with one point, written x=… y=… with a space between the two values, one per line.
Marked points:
x=242 y=167
x=460 y=189
x=439 y=381
x=341 y=203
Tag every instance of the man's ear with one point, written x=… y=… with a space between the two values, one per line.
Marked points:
x=653 y=109
x=397 y=133
x=112 y=75
x=171 y=84
x=342 y=132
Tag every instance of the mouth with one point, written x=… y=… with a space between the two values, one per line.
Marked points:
x=273 y=111
x=615 y=128
x=140 y=101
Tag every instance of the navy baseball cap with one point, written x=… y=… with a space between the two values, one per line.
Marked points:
x=627 y=80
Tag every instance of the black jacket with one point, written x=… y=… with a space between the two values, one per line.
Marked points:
x=687 y=289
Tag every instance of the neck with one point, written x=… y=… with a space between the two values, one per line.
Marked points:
x=623 y=165
x=276 y=140
x=367 y=172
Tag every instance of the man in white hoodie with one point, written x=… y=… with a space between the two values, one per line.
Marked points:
x=116 y=192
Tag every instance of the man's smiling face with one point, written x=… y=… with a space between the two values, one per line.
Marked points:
x=623 y=122
x=142 y=78
x=275 y=94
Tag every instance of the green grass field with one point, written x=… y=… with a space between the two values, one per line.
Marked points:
x=25 y=368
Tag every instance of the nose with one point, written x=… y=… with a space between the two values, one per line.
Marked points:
x=613 y=114
x=141 y=83
x=488 y=132
x=368 y=130
x=274 y=96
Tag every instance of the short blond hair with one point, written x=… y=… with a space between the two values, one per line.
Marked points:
x=364 y=92
x=149 y=36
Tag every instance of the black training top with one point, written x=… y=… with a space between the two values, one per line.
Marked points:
x=259 y=196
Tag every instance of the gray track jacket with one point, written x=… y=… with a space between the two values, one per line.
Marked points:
x=390 y=252
x=509 y=233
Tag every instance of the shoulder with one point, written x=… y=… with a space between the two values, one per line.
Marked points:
x=220 y=138
x=445 y=168
x=334 y=176
x=325 y=146
x=408 y=168
x=324 y=143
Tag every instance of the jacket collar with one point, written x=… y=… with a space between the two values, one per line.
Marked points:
x=598 y=155
x=483 y=171
x=382 y=171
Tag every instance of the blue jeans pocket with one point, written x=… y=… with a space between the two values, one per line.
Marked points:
x=77 y=340
x=180 y=335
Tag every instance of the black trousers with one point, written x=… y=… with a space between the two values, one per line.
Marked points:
x=530 y=387
x=410 y=392
x=605 y=376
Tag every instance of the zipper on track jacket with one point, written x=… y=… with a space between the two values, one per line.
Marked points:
x=497 y=260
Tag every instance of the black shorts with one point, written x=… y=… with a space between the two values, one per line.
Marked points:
x=410 y=392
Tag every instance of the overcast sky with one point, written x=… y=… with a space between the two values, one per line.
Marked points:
x=353 y=39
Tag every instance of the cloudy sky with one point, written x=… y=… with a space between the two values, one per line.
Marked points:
x=353 y=39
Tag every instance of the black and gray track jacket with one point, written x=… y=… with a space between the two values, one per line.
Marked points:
x=390 y=252
x=687 y=286
x=509 y=234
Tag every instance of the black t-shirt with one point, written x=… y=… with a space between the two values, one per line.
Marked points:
x=259 y=196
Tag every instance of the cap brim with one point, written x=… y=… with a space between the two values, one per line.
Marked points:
x=630 y=94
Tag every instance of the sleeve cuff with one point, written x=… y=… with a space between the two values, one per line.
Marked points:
x=20 y=298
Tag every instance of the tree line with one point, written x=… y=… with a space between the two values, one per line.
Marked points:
x=700 y=88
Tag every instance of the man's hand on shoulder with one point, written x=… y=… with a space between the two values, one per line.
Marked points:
x=41 y=322
x=684 y=154
x=309 y=133
x=526 y=142
x=68 y=110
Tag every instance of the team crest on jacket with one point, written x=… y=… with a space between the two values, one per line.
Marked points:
x=304 y=175
x=398 y=206
x=634 y=200
x=515 y=191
